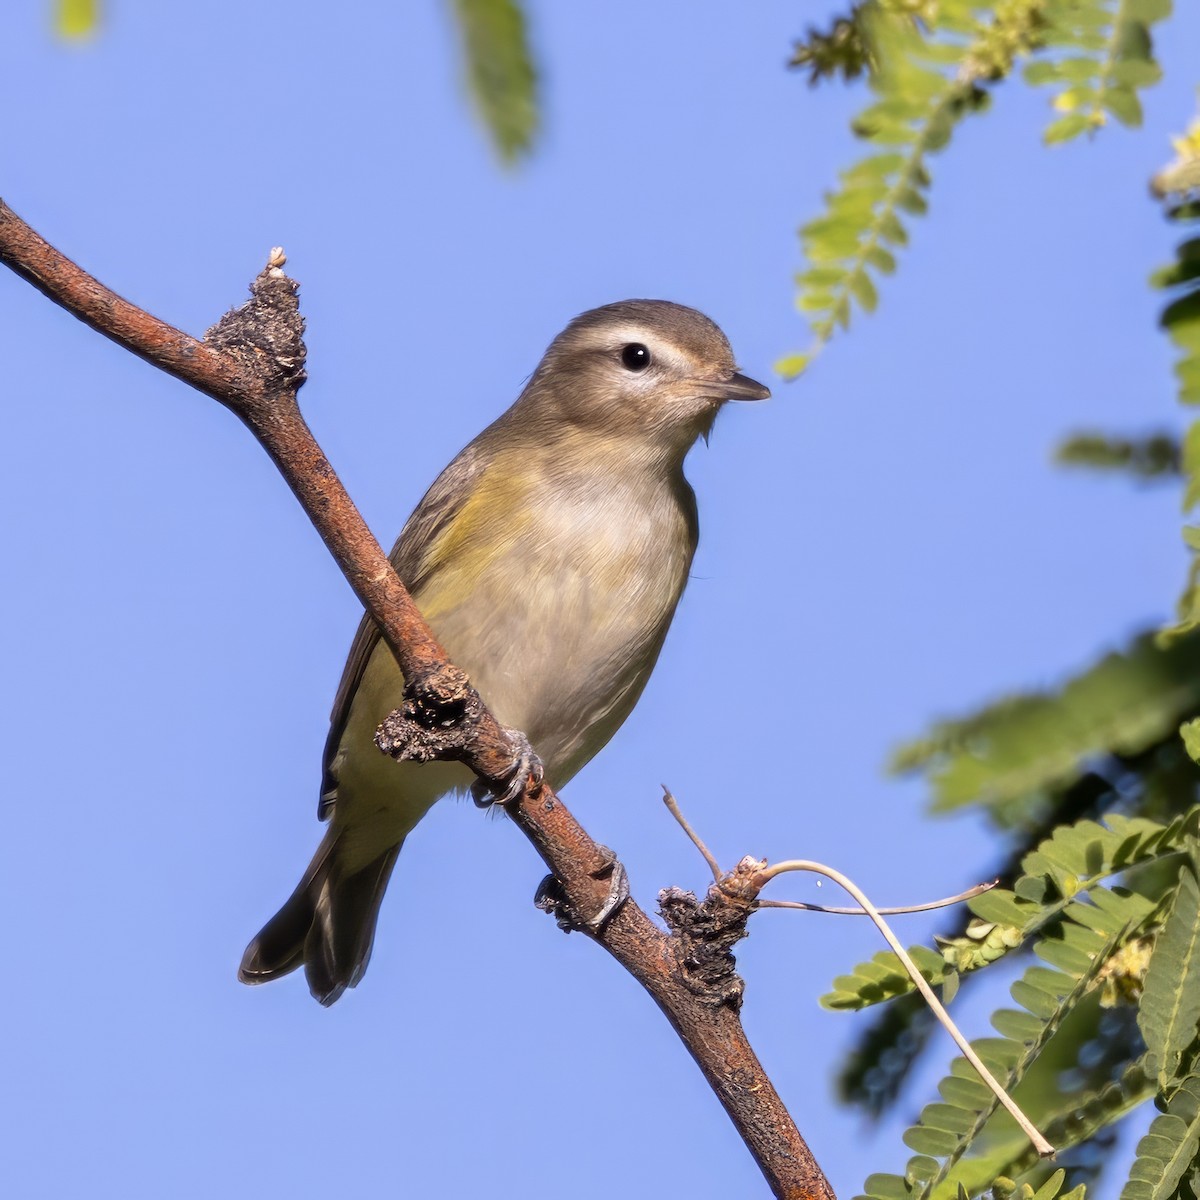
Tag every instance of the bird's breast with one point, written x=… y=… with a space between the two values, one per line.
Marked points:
x=559 y=611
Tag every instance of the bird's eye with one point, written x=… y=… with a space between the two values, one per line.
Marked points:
x=635 y=356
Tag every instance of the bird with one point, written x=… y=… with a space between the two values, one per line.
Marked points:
x=548 y=558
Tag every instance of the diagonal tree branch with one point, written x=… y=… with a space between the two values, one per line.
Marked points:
x=252 y=362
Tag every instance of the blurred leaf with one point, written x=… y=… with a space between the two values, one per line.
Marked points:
x=1151 y=457
x=1041 y=740
x=1066 y=128
x=842 y=52
x=1190 y=732
x=500 y=71
x=1181 y=320
x=793 y=365
x=873 y=1072
x=1098 y=53
x=76 y=18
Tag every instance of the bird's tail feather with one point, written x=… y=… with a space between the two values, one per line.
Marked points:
x=327 y=924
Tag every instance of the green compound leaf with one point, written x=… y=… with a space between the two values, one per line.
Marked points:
x=1097 y=54
x=1170 y=1008
x=1080 y=1118
x=926 y=75
x=1099 y=946
x=1059 y=898
x=1169 y=1151
x=882 y=977
x=950 y=1127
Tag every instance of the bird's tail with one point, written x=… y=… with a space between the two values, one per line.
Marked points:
x=327 y=924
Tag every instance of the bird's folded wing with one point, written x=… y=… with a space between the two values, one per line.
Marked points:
x=411 y=558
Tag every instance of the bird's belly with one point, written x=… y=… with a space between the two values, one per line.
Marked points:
x=558 y=634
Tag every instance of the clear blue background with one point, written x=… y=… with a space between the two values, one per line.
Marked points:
x=882 y=543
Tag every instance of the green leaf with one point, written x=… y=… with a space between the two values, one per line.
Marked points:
x=863 y=291
x=887 y=1187
x=882 y=260
x=911 y=201
x=1124 y=105
x=1019 y=1026
x=882 y=978
x=1063 y=70
x=1182 y=316
x=500 y=71
x=1051 y=1187
x=936 y=1142
x=891 y=230
x=927 y=75
x=1170 y=1008
x=793 y=365
x=1066 y=128
x=1190 y=732
x=1136 y=73
x=1000 y=906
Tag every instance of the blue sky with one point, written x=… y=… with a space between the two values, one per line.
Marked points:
x=887 y=535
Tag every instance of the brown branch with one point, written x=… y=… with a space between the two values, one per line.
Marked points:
x=252 y=362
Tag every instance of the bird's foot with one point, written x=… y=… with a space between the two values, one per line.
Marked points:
x=527 y=769
x=551 y=898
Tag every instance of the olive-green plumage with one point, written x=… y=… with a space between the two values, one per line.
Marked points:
x=548 y=557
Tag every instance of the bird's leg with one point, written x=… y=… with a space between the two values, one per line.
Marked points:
x=526 y=769
x=551 y=898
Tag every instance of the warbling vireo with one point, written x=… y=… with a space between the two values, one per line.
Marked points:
x=548 y=557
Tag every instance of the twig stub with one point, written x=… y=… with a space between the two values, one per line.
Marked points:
x=267 y=332
x=705 y=933
x=438 y=720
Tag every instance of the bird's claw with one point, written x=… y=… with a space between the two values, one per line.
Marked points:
x=551 y=898
x=527 y=769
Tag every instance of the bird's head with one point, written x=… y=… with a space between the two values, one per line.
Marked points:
x=643 y=370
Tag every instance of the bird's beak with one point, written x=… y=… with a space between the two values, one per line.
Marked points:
x=736 y=387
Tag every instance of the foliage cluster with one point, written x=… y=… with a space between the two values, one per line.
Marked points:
x=931 y=63
x=1089 y=786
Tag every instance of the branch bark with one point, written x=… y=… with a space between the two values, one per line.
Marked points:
x=252 y=362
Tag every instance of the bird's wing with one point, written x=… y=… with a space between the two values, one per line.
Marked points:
x=410 y=556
